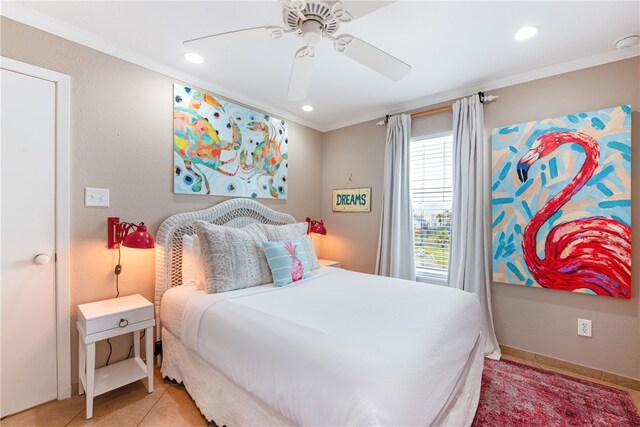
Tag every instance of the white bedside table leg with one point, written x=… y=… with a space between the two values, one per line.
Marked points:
x=91 y=370
x=136 y=343
x=82 y=366
x=148 y=344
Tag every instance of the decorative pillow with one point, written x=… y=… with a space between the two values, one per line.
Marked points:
x=287 y=260
x=233 y=257
x=192 y=262
x=278 y=233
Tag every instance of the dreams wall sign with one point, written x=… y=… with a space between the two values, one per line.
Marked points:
x=352 y=200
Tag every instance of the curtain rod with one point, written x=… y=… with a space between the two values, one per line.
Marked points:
x=483 y=98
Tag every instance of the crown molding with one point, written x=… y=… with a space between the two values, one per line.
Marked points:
x=492 y=84
x=14 y=11
x=43 y=22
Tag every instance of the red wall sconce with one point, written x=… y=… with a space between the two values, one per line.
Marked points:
x=316 y=227
x=128 y=234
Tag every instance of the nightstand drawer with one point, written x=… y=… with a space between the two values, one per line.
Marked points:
x=106 y=315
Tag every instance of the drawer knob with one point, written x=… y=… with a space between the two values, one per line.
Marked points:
x=123 y=323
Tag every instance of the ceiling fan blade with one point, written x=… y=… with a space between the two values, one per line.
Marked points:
x=370 y=56
x=356 y=8
x=301 y=73
x=232 y=38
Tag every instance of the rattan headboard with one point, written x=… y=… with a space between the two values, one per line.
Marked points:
x=235 y=213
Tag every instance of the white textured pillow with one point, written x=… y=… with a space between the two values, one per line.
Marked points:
x=233 y=257
x=192 y=262
x=278 y=233
x=310 y=251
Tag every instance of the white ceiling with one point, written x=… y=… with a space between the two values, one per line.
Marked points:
x=453 y=47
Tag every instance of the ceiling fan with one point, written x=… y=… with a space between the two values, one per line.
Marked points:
x=312 y=21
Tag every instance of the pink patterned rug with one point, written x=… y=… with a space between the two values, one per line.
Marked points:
x=514 y=394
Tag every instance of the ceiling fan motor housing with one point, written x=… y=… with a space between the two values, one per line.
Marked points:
x=317 y=11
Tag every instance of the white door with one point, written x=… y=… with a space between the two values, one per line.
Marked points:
x=28 y=292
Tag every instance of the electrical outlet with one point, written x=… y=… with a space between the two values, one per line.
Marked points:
x=584 y=327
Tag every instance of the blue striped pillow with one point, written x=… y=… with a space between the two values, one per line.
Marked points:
x=287 y=260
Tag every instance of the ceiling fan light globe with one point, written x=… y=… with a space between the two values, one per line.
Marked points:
x=311 y=31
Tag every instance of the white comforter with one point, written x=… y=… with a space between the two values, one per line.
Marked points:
x=340 y=348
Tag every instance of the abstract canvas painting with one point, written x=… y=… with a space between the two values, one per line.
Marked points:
x=562 y=203
x=223 y=149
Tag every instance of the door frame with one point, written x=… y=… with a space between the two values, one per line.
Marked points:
x=62 y=213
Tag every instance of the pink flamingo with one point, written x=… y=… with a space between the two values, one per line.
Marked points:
x=592 y=253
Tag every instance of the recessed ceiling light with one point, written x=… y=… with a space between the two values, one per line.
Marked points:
x=526 y=33
x=307 y=108
x=193 y=57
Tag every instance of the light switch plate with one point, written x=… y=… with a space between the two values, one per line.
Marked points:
x=96 y=197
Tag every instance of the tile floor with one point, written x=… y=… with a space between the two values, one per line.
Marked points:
x=168 y=405
x=131 y=405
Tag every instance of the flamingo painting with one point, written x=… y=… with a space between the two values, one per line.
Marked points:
x=575 y=233
x=592 y=253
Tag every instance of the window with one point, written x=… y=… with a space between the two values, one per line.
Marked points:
x=431 y=192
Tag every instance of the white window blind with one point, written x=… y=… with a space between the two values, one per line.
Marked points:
x=431 y=191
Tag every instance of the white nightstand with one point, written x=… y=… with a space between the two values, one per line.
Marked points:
x=329 y=263
x=109 y=318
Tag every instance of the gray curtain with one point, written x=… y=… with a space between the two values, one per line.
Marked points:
x=470 y=257
x=395 y=244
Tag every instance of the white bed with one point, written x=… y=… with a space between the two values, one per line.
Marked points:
x=338 y=348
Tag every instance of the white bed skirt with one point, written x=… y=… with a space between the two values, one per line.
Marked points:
x=218 y=398
x=223 y=401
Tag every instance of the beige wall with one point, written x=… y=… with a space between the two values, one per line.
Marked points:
x=357 y=152
x=121 y=139
x=537 y=320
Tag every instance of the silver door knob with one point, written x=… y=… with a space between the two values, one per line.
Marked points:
x=41 y=259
